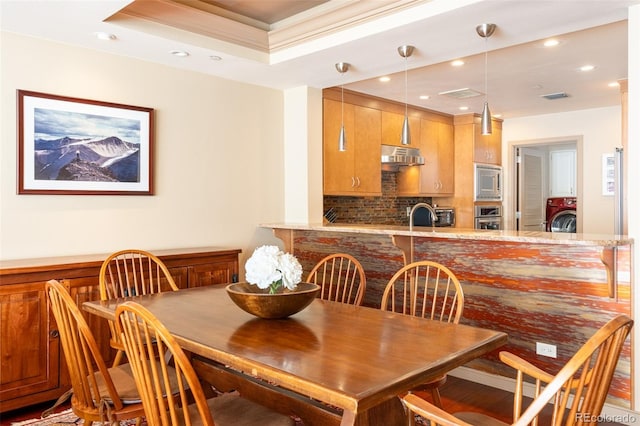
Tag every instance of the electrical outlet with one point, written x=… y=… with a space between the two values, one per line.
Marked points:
x=546 y=349
x=408 y=211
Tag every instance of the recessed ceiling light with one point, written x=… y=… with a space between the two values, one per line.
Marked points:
x=424 y=97
x=457 y=63
x=551 y=42
x=586 y=68
x=614 y=84
x=180 y=53
x=463 y=108
x=101 y=35
x=215 y=58
x=384 y=79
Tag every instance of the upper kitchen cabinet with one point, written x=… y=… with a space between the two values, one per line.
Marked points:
x=436 y=176
x=356 y=171
x=392 y=128
x=562 y=173
x=487 y=149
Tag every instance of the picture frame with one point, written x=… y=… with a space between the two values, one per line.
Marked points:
x=73 y=146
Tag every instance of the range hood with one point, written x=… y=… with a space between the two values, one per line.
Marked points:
x=395 y=156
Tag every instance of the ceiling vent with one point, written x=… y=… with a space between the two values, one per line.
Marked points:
x=461 y=93
x=553 y=96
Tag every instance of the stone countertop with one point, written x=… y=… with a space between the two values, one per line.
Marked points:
x=464 y=233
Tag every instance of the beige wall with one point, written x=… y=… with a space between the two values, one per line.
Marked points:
x=600 y=129
x=219 y=157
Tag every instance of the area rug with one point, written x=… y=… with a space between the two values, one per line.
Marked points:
x=67 y=418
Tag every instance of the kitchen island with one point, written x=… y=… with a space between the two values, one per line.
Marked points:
x=553 y=288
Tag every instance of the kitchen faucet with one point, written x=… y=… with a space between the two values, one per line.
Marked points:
x=434 y=218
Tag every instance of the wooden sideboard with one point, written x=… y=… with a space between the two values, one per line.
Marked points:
x=32 y=368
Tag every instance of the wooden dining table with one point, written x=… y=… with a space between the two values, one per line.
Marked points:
x=331 y=363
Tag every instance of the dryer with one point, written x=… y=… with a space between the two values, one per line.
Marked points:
x=561 y=214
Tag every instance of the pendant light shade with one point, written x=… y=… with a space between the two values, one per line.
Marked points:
x=405 y=138
x=342 y=67
x=485 y=31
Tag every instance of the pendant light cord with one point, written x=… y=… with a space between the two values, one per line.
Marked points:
x=406 y=85
x=342 y=103
x=486 y=66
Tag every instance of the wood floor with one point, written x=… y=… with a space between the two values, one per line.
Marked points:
x=457 y=395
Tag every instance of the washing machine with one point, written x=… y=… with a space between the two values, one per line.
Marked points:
x=561 y=214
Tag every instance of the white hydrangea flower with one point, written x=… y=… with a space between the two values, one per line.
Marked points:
x=268 y=267
x=262 y=266
x=291 y=270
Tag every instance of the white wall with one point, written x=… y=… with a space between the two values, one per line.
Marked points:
x=219 y=157
x=600 y=129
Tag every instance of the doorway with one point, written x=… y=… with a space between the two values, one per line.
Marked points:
x=544 y=168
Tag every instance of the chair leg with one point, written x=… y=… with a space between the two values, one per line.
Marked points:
x=435 y=394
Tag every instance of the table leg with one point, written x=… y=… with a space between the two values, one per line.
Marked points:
x=388 y=413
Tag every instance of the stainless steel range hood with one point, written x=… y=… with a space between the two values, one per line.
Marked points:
x=395 y=156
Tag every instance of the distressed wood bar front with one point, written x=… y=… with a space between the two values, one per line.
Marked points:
x=534 y=286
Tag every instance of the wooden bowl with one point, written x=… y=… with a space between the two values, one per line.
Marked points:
x=259 y=302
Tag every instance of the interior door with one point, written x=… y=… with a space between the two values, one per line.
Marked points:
x=531 y=190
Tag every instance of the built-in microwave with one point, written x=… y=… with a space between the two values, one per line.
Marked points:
x=487 y=182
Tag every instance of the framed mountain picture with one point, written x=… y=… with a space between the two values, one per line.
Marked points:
x=83 y=147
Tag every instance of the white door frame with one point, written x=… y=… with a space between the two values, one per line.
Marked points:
x=510 y=205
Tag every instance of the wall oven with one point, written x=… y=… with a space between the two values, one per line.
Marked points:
x=488 y=217
x=487 y=182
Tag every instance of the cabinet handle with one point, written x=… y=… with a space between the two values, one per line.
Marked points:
x=353 y=181
x=54 y=334
x=358 y=180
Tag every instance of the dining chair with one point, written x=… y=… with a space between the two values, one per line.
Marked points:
x=578 y=391
x=131 y=272
x=429 y=290
x=341 y=278
x=99 y=393
x=139 y=327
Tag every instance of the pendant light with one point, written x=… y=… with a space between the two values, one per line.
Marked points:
x=485 y=31
x=342 y=67
x=405 y=138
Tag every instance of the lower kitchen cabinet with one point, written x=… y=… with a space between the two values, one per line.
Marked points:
x=32 y=367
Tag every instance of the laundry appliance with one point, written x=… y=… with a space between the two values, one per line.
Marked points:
x=561 y=214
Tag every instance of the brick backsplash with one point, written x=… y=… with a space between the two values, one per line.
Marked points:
x=387 y=209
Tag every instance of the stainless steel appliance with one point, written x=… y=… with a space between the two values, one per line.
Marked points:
x=446 y=216
x=487 y=182
x=395 y=156
x=488 y=217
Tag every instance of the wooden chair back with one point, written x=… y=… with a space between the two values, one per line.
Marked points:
x=578 y=391
x=145 y=340
x=341 y=279
x=132 y=272
x=95 y=396
x=174 y=395
x=425 y=289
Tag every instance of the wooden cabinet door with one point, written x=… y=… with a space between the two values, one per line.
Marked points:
x=29 y=343
x=488 y=149
x=391 y=125
x=180 y=276
x=435 y=177
x=211 y=273
x=338 y=166
x=446 y=159
x=368 y=168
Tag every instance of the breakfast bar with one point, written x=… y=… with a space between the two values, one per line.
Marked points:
x=538 y=287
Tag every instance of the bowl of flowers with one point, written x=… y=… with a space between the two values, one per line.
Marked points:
x=273 y=289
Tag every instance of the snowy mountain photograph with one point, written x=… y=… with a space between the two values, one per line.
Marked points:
x=66 y=144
